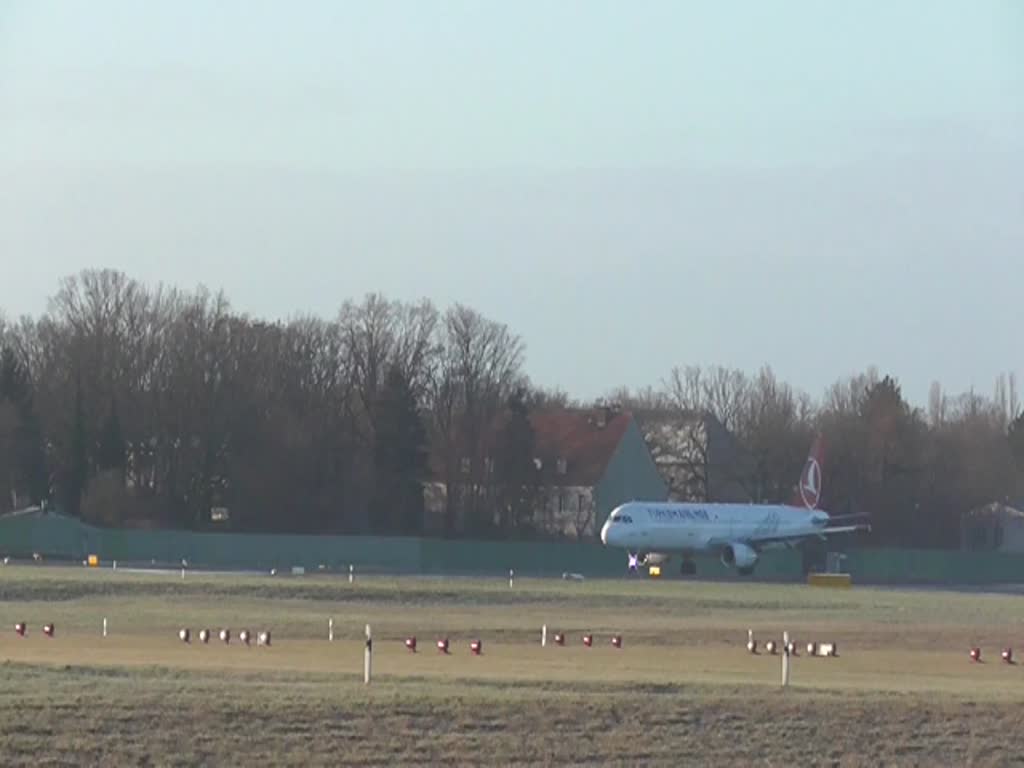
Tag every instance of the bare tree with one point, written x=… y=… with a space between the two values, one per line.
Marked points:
x=278 y=420
x=642 y=399
x=936 y=406
x=1015 y=406
x=583 y=517
x=479 y=364
x=706 y=406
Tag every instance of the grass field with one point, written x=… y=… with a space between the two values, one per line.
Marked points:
x=682 y=690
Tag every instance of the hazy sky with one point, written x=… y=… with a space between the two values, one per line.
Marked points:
x=629 y=185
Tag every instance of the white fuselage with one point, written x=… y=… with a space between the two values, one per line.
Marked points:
x=690 y=528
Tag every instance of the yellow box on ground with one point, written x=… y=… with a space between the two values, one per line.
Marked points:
x=655 y=571
x=837 y=580
x=94 y=561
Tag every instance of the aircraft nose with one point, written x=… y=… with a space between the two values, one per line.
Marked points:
x=604 y=532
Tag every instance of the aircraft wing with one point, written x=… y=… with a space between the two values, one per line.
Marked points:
x=820 y=533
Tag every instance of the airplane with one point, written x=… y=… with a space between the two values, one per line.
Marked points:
x=651 y=532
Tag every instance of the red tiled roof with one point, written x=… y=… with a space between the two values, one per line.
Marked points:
x=575 y=436
x=561 y=433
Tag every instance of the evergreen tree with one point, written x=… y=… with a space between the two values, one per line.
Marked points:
x=518 y=475
x=112 y=452
x=1016 y=438
x=14 y=383
x=400 y=451
x=30 y=471
x=893 y=432
x=76 y=471
x=34 y=470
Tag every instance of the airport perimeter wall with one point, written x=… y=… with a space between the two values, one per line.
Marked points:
x=56 y=537
x=63 y=538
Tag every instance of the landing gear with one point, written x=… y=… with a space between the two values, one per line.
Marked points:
x=633 y=563
x=687 y=568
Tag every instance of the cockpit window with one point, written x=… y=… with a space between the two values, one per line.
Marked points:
x=619 y=517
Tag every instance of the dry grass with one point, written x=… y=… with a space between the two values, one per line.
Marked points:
x=682 y=690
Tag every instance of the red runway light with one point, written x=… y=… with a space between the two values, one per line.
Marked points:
x=442 y=645
x=617 y=641
x=588 y=640
x=410 y=643
x=476 y=647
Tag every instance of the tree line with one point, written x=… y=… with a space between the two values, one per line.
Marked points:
x=124 y=402
x=915 y=471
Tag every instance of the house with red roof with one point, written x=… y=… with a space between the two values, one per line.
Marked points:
x=586 y=461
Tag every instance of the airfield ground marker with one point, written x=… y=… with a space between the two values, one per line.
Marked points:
x=785 y=659
x=330 y=630
x=367 y=656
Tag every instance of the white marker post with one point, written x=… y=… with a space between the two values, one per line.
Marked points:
x=367 y=656
x=351 y=570
x=330 y=630
x=785 y=659
x=104 y=626
x=544 y=636
x=511 y=577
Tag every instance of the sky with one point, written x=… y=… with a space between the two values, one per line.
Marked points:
x=630 y=186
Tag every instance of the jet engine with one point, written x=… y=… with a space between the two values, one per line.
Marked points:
x=740 y=556
x=654 y=558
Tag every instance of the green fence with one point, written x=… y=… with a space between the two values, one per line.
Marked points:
x=58 y=537
x=903 y=566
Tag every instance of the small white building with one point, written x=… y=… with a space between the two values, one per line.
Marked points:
x=993 y=527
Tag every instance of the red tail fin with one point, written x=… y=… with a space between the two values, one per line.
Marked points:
x=808 y=491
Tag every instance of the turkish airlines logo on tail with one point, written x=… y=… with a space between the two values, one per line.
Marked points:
x=810 y=483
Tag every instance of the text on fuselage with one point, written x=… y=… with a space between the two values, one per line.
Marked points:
x=661 y=514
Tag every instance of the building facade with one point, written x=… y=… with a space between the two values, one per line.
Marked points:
x=698 y=458
x=587 y=461
x=993 y=528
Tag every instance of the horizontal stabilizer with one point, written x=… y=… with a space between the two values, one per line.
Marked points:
x=844 y=529
x=855 y=516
